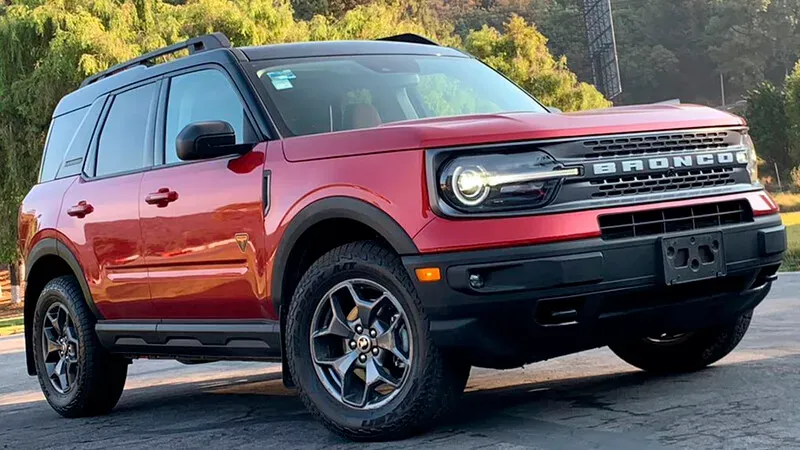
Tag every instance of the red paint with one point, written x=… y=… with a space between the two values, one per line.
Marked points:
x=176 y=255
x=195 y=266
x=443 y=235
x=108 y=244
x=482 y=129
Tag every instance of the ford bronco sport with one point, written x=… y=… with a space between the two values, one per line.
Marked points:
x=380 y=216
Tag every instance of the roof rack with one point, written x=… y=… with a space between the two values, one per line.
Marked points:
x=194 y=45
x=410 y=38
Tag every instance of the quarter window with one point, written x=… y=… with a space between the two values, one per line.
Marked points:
x=61 y=133
x=123 y=140
x=200 y=96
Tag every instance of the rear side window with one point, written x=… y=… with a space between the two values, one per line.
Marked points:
x=123 y=141
x=62 y=130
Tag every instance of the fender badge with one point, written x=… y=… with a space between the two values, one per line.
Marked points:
x=241 y=241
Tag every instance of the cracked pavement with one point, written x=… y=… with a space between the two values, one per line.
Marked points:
x=589 y=400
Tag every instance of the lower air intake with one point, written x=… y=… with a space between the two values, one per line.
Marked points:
x=674 y=220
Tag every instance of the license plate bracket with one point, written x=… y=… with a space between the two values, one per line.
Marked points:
x=693 y=257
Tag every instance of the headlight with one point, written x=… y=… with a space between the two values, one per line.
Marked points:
x=497 y=182
x=752 y=158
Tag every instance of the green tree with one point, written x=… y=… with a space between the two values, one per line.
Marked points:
x=521 y=54
x=766 y=116
x=792 y=121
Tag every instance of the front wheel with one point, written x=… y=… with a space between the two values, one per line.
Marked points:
x=674 y=353
x=359 y=348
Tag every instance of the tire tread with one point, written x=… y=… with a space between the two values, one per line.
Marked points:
x=444 y=380
x=103 y=375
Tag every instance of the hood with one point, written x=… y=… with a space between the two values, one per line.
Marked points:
x=496 y=128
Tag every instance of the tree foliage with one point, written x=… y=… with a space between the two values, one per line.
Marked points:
x=49 y=46
x=766 y=116
x=521 y=54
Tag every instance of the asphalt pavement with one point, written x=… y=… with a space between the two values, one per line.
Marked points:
x=590 y=400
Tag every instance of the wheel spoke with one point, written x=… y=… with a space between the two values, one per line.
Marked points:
x=51 y=368
x=338 y=325
x=52 y=317
x=341 y=365
x=61 y=373
x=354 y=391
x=51 y=346
x=366 y=308
x=71 y=336
x=63 y=318
x=388 y=341
x=377 y=375
x=70 y=377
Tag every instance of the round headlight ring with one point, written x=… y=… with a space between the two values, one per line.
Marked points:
x=469 y=185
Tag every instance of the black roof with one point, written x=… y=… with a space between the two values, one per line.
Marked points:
x=215 y=48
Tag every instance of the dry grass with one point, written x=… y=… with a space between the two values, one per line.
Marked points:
x=787 y=201
x=7 y=310
x=792 y=259
x=11 y=326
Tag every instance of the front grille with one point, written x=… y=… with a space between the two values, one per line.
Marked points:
x=674 y=220
x=662 y=182
x=656 y=143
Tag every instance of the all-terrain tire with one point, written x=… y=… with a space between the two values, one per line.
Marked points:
x=100 y=375
x=435 y=381
x=688 y=353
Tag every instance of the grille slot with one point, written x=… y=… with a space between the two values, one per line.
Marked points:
x=656 y=143
x=674 y=220
x=663 y=182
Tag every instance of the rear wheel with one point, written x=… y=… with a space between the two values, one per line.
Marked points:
x=77 y=375
x=359 y=348
x=665 y=352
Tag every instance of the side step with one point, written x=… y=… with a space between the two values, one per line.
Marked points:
x=221 y=339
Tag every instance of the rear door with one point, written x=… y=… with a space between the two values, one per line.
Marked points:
x=100 y=211
x=204 y=243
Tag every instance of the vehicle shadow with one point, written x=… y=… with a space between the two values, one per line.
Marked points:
x=244 y=409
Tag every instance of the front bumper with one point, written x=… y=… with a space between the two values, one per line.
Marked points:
x=541 y=301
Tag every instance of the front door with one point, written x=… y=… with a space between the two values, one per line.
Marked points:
x=203 y=221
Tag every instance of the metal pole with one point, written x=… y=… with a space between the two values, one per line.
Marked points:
x=778 y=176
x=722 y=87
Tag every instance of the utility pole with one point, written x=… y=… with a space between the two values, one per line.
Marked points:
x=722 y=87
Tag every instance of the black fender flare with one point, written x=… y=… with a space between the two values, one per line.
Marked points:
x=51 y=247
x=336 y=208
x=54 y=247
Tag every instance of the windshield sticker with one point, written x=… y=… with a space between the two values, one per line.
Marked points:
x=282 y=79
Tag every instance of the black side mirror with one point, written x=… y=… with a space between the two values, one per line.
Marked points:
x=206 y=140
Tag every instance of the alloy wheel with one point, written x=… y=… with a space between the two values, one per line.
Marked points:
x=60 y=348
x=361 y=344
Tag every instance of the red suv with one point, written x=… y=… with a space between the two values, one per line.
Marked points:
x=379 y=216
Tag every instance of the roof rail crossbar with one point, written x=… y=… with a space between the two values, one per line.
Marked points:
x=410 y=38
x=194 y=45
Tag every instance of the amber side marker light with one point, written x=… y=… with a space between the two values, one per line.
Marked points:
x=429 y=274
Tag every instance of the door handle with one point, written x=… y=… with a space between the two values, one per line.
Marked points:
x=80 y=210
x=161 y=198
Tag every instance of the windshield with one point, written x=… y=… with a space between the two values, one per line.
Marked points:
x=320 y=95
